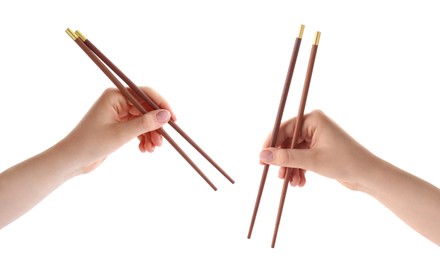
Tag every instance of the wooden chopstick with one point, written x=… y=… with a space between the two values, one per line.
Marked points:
x=277 y=124
x=149 y=101
x=133 y=100
x=296 y=131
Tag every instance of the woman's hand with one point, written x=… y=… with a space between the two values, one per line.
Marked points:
x=323 y=147
x=110 y=123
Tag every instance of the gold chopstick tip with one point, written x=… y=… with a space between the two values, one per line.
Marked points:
x=301 y=31
x=317 y=37
x=71 y=34
x=80 y=35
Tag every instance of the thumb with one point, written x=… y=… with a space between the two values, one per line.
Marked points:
x=290 y=158
x=145 y=123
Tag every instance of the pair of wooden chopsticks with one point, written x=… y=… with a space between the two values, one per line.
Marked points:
x=104 y=64
x=297 y=127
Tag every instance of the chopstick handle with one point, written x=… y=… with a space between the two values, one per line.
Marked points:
x=296 y=131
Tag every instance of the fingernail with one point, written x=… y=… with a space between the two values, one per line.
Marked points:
x=163 y=116
x=266 y=156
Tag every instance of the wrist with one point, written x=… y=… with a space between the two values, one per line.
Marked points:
x=65 y=160
x=375 y=177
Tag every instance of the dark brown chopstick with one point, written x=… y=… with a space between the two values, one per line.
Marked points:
x=297 y=129
x=133 y=100
x=277 y=124
x=149 y=101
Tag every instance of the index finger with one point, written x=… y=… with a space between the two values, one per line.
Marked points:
x=158 y=99
x=285 y=132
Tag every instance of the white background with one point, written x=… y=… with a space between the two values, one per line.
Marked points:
x=222 y=66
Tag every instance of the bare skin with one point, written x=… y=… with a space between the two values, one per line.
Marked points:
x=109 y=124
x=328 y=150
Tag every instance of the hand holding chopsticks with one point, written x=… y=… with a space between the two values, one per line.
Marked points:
x=105 y=65
x=298 y=125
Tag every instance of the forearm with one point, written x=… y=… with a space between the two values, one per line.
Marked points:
x=27 y=183
x=412 y=199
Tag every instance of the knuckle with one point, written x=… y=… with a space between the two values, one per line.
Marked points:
x=109 y=91
x=317 y=113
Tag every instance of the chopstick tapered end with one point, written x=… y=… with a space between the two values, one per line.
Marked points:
x=301 y=31
x=317 y=37
x=71 y=34
x=80 y=35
